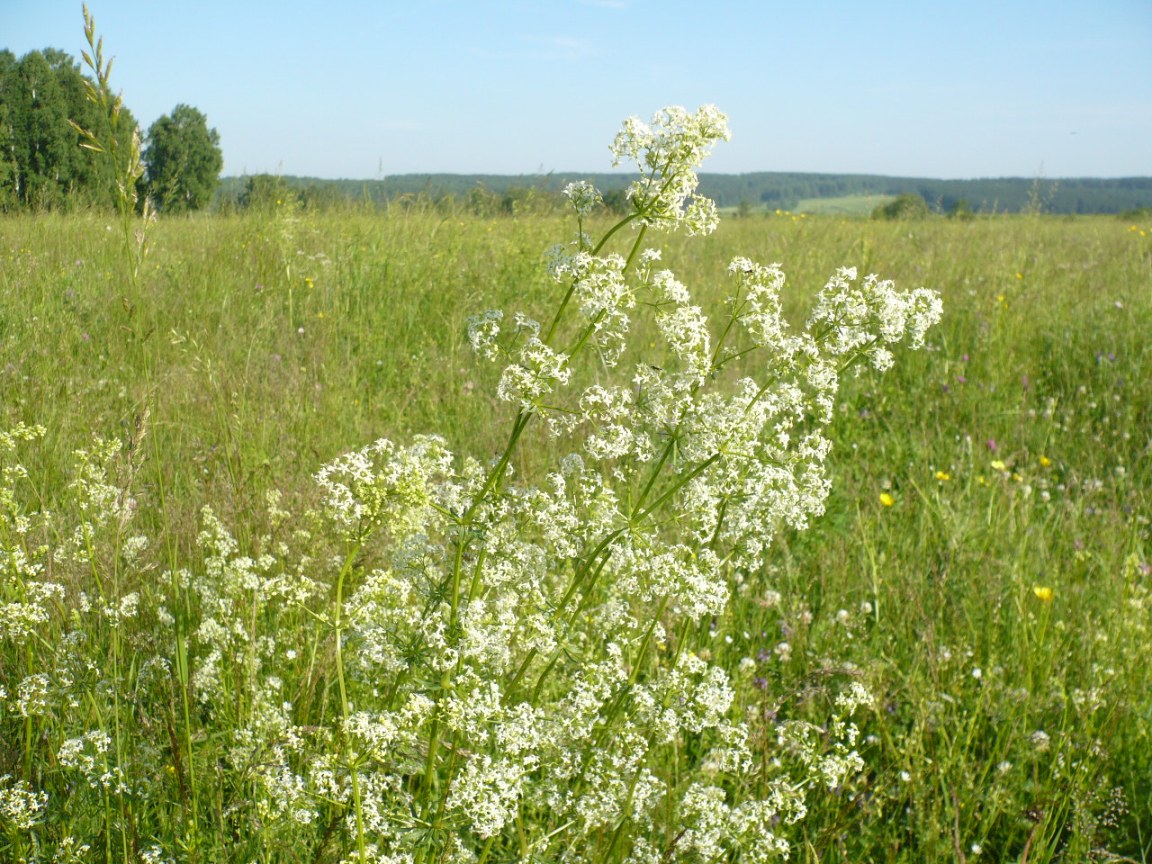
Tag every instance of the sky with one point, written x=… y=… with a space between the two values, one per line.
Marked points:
x=363 y=89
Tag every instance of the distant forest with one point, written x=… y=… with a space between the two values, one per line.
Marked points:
x=508 y=193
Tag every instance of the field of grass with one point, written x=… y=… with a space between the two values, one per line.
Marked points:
x=983 y=567
x=844 y=205
x=847 y=205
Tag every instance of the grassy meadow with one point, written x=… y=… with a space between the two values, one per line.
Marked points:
x=847 y=205
x=983 y=568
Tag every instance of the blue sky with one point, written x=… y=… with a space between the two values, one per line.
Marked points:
x=368 y=88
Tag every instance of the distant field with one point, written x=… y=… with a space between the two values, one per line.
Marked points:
x=984 y=566
x=848 y=205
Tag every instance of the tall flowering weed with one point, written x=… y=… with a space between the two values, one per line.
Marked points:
x=524 y=660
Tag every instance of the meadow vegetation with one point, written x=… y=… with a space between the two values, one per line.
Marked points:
x=232 y=628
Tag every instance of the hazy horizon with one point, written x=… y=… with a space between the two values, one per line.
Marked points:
x=622 y=172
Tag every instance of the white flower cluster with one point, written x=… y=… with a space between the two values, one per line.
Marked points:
x=25 y=597
x=383 y=487
x=829 y=753
x=859 y=318
x=88 y=754
x=602 y=294
x=583 y=195
x=154 y=855
x=20 y=806
x=529 y=647
x=32 y=695
x=483 y=331
x=667 y=151
x=20 y=618
x=535 y=373
x=101 y=496
x=714 y=830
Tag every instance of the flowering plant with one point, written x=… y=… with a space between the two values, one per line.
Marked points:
x=451 y=662
x=521 y=675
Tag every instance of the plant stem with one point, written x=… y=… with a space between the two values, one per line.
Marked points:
x=345 y=709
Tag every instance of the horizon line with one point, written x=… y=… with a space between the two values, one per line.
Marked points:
x=702 y=174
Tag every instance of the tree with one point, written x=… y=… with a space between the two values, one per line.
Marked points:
x=90 y=175
x=266 y=192
x=183 y=161
x=8 y=192
x=42 y=162
x=906 y=206
x=959 y=208
x=43 y=141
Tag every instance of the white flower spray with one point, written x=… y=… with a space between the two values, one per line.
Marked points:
x=516 y=674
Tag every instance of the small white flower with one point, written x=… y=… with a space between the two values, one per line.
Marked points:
x=667 y=152
x=537 y=369
x=483 y=331
x=19 y=804
x=583 y=196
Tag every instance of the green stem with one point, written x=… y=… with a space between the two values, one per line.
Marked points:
x=635 y=246
x=497 y=472
x=559 y=313
x=608 y=236
x=676 y=487
x=572 y=288
x=486 y=850
x=581 y=573
x=345 y=708
x=655 y=473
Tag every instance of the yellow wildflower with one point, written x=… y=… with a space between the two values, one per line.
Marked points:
x=943 y=475
x=1045 y=461
x=886 y=499
x=1043 y=593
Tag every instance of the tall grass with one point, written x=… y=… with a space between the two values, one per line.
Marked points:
x=997 y=602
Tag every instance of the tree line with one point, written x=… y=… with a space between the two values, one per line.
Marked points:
x=45 y=109
x=494 y=194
